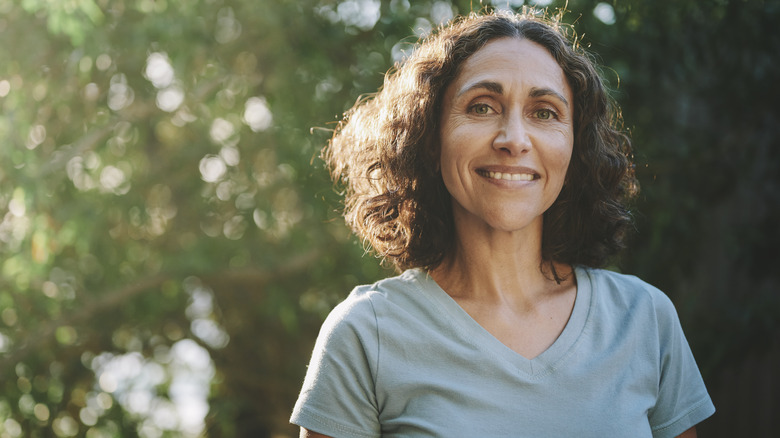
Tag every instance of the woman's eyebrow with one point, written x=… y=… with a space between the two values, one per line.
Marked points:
x=539 y=92
x=497 y=88
x=491 y=86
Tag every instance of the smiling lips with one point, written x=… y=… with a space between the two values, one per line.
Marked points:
x=507 y=176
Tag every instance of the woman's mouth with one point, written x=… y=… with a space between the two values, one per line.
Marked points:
x=508 y=176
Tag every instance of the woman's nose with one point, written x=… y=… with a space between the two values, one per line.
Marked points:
x=513 y=137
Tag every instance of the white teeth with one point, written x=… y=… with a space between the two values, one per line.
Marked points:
x=510 y=176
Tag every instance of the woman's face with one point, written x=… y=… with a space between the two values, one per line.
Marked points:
x=506 y=136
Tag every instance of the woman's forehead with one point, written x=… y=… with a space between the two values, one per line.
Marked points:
x=507 y=61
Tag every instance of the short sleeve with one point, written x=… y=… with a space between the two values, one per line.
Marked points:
x=682 y=399
x=338 y=395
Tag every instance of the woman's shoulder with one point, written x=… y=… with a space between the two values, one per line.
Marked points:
x=365 y=301
x=623 y=301
x=628 y=290
x=394 y=288
x=405 y=283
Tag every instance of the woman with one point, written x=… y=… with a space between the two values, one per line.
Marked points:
x=489 y=169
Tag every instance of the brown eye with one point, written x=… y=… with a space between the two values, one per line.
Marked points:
x=480 y=109
x=545 y=114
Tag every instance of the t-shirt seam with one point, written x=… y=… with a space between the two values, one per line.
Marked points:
x=661 y=427
x=422 y=290
x=313 y=414
x=556 y=366
x=453 y=319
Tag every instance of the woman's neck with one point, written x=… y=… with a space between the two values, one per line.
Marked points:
x=495 y=266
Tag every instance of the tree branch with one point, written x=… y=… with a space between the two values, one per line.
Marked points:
x=114 y=299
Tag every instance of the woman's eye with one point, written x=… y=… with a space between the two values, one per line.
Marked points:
x=545 y=114
x=481 y=109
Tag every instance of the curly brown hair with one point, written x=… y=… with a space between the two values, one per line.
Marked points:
x=385 y=152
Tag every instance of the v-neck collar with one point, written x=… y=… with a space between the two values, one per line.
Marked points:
x=543 y=364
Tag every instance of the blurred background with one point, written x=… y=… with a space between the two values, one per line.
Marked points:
x=170 y=241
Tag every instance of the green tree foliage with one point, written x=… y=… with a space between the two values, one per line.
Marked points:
x=169 y=241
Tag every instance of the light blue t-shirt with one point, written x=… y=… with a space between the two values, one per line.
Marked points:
x=401 y=358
